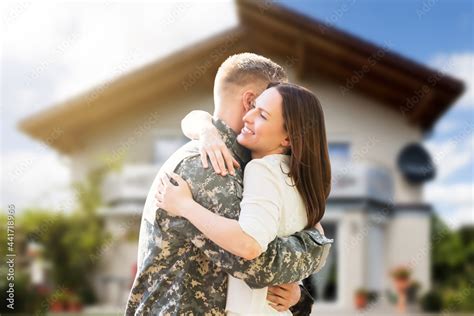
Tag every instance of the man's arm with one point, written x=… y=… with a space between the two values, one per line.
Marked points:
x=286 y=260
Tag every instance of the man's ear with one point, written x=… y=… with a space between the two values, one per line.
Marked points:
x=247 y=98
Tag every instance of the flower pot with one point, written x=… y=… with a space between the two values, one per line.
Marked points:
x=56 y=307
x=401 y=284
x=360 y=301
x=74 y=307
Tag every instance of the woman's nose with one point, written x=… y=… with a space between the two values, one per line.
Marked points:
x=248 y=117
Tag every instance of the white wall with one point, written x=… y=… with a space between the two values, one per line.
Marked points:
x=133 y=136
x=409 y=242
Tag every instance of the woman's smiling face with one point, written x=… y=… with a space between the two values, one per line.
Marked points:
x=263 y=132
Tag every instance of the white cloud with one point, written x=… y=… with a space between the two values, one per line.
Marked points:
x=446 y=126
x=452 y=154
x=35 y=179
x=461 y=66
x=462 y=216
x=459 y=193
x=454 y=202
x=85 y=44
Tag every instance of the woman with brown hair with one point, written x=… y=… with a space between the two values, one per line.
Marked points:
x=286 y=185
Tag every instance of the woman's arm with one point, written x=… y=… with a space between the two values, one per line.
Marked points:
x=258 y=219
x=225 y=232
x=198 y=125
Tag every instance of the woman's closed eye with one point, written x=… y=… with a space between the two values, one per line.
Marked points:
x=263 y=114
x=253 y=106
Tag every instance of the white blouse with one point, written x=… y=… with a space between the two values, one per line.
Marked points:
x=271 y=206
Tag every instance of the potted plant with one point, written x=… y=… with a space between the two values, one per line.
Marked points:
x=56 y=306
x=401 y=277
x=57 y=302
x=361 y=298
x=74 y=303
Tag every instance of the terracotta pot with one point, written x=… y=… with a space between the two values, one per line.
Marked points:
x=74 y=307
x=401 y=284
x=360 y=301
x=56 y=307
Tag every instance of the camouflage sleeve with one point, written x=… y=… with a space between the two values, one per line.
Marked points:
x=305 y=305
x=286 y=260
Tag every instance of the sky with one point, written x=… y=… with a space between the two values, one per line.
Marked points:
x=52 y=51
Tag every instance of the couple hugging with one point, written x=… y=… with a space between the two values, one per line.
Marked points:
x=238 y=238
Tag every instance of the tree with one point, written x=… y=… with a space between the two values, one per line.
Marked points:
x=453 y=265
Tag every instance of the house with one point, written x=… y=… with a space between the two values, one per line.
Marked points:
x=378 y=107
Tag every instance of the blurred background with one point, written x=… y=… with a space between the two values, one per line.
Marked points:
x=91 y=101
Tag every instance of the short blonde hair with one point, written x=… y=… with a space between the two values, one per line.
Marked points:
x=244 y=68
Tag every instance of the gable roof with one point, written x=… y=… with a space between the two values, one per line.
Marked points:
x=420 y=94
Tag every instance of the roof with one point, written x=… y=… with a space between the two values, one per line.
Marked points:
x=421 y=94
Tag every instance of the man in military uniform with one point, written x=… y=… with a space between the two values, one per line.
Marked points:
x=180 y=272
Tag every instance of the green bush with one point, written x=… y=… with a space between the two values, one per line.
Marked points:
x=25 y=298
x=458 y=300
x=453 y=266
x=72 y=242
x=432 y=302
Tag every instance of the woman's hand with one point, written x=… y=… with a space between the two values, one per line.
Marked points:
x=212 y=146
x=174 y=199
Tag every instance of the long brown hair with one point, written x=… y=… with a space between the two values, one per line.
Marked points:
x=310 y=167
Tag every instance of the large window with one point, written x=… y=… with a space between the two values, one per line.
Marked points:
x=339 y=151
x=165 y=146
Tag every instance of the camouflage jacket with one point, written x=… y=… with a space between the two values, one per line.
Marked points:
x=181 y=272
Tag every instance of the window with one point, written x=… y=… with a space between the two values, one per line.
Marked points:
x=166 y=146
x=339 y=151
